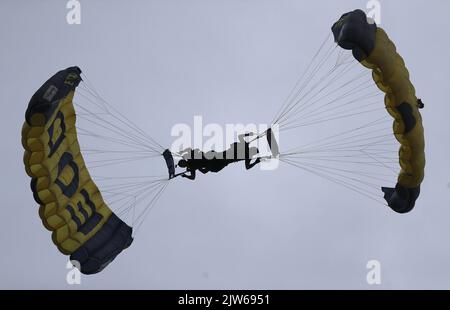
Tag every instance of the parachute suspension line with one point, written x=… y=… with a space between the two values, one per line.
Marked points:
x=354 y=179
x=111 y=125
x=293 y=102
x=108 y=126
x=140 y=219
x=115 y=161
x=118 y=142
x=135 y=147
x=121 y=118
x=147 y=191
x=107 y=106
x=354 y=90
x=102 y=122
x=124 y=194
x=343 y=99
x=106 y=154
x=345 y=182
x=343 y=159
x=300 y=101
x=123 y=191
x=339 y=62
x=365 y=140
x=333 y=75
x=361 y=127
x=329 y=89
x=384 y=164
x=299 y=80
x=356 y=160
x=359 y=158
x=356 y=174
x=317 y=111
x=331 y=118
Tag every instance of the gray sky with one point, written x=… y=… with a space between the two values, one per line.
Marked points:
x=161 y=62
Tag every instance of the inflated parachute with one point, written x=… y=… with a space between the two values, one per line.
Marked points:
x=373 y=49
x=71 y=205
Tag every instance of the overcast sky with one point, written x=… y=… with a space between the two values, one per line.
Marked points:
x=161 y=63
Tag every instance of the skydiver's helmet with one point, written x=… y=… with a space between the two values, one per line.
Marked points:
x=182 y=163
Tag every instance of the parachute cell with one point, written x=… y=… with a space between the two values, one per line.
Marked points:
x=71 y=205
x=372 y=47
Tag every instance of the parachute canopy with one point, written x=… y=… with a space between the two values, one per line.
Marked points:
x=372 y=47
x=71 y=205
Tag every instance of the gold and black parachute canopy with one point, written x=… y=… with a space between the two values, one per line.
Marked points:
x=372 y=47
x=71 y=205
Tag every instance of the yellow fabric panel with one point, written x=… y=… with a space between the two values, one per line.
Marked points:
x=44 y=168
x=392 y=77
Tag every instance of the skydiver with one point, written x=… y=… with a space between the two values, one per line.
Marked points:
x=213 y=161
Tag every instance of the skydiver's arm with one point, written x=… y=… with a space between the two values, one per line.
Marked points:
x=250 y=165
x=190 y=176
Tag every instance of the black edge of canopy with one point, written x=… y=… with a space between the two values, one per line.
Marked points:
x=45 y=100
x=401 y=199
x=102 y=248
x=353 y=32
